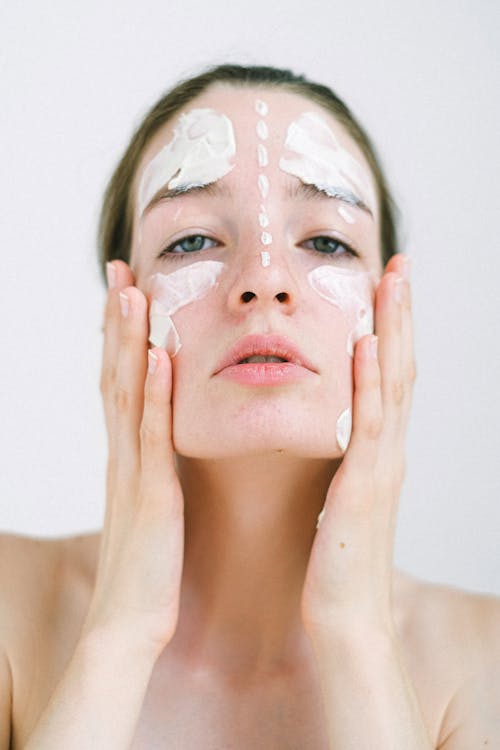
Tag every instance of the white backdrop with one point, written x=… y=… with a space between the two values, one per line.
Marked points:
x=423 y=77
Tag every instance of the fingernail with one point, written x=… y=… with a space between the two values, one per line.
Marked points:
x=152 y=361
x=373 y=347
x=124 y=304
x=111 y=274
x=406 y=267
x=398 y=289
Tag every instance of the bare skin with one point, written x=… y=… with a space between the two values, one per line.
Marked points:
x=446 y=635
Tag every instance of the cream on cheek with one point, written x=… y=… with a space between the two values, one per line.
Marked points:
x=352 y=293
x=170 y=292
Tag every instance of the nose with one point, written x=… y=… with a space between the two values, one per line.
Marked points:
x=256 y=286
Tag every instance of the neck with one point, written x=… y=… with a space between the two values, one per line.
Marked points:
x=249 y=527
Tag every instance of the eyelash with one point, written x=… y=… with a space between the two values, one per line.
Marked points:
x=168 y=251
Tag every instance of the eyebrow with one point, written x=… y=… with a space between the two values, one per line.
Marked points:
x=298 y=191
x=313 y=192
x=213 y=189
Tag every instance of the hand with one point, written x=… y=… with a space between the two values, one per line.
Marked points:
x=141 y=554
x=349 y=574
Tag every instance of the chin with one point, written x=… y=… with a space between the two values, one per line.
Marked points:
x=292 y=439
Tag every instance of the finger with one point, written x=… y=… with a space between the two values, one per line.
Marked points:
x=409 y=369
x=400 y=263
x=156 y=449
x=130 y=378
x=119 y=277
x=367 y=414
x=388 y=329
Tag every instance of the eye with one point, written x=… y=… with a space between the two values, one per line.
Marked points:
x=329 y=246
x=190 y=244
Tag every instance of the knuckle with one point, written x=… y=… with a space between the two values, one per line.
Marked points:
x=127 y=337
x=373 y=428
x=411 y=374
x=398 y=392
x=122 y=399
x=108 y=378
x=149 y=434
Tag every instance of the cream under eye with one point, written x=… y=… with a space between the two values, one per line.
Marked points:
x=193 y=243
x=325 y=245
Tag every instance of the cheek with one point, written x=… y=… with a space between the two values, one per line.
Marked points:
x=352 y=295
x=171 y=292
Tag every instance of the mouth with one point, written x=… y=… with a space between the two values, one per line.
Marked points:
x=261 y=358
x=271 y=351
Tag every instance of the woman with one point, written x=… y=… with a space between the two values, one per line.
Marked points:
x=242 y=592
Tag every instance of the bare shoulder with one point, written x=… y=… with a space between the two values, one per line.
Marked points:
x=38 y=577
x=452 y=646
x=466 y=619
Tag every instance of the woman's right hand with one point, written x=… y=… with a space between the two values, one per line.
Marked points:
x=139 y=570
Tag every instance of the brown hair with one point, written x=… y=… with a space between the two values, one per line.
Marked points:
x=115 y=225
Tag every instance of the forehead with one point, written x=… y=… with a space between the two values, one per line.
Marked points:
x=240 y=105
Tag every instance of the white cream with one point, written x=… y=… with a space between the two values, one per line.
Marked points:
x=266 y=238
x=263 y=219
x=262 y=156
x=200 y=152
x=352 y=292
x=344 y=429
x=320 y=517
x=262 y=130
x=261 y=107
x=346 y=214
x=170 y=292
x=263 y=184
x=319 y=159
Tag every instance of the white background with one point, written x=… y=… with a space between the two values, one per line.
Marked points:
x=423 y=77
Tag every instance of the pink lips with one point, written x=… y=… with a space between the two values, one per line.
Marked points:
x=294 y=368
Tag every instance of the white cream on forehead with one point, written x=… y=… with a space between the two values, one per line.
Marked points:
x=319 y=159
x=352 y=292
x=170 y=292
x=200 y=152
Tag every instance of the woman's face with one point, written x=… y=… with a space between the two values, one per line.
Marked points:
x=247 y=205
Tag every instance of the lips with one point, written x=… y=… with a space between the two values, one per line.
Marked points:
x=255 y=345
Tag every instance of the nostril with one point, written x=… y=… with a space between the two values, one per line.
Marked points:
x=282 y=297
x=247 y=296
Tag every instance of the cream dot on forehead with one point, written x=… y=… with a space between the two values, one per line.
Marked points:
x=262 y=130
x=261 y=108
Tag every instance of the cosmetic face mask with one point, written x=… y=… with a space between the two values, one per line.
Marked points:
x=200 y=152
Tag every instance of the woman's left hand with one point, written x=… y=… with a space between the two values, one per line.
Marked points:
x=349 y=576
